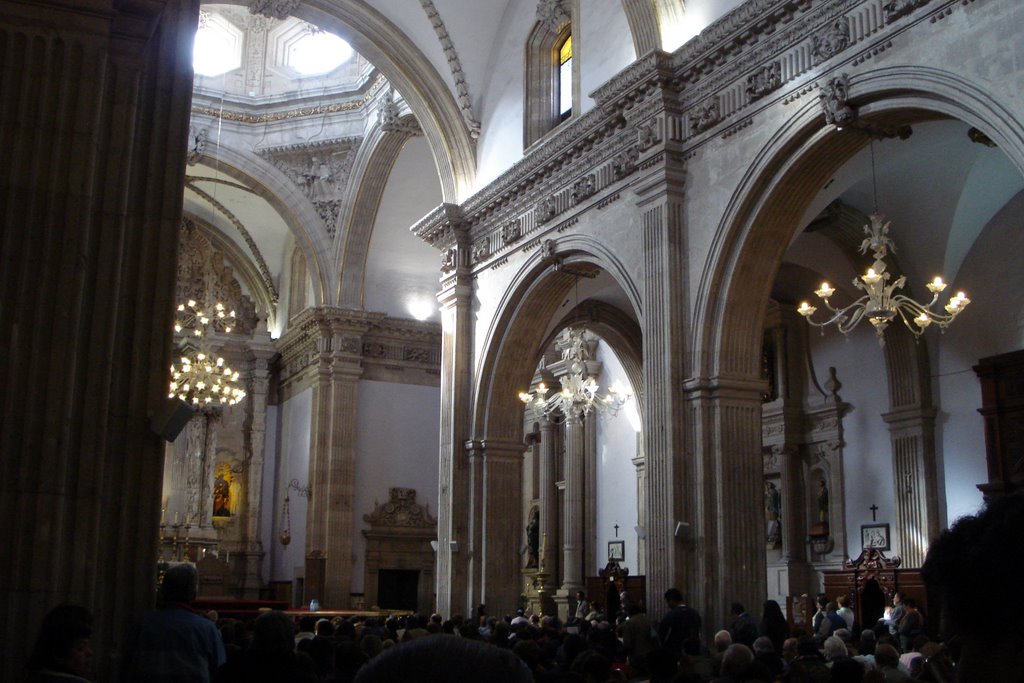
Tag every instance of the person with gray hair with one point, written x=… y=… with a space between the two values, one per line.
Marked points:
x=835 y=649
x=445 y=659
x=765 y=654
x=174 y=644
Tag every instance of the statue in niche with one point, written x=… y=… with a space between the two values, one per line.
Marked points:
x=823 y=502
x=319 y=179
x=221 y=497
x=773 y=510
x=533 y=540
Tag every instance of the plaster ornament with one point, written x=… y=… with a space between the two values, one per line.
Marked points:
x=546 y=210
x=511 y=231
x=481 y=251
x=552 y=14
x=401 y=510
x=197 y=139
x=448 y=257
x=894 y=9
x=646 y=136
x=583 y=188
x=706 y=116
x=624 y=162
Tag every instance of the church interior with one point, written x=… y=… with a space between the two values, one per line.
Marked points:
x=510 y=293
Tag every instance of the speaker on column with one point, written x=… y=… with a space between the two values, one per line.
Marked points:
x=169 y=422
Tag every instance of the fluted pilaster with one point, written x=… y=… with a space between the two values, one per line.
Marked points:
x=502 y=505
x=912 y=433
x=93 y=121
x=548 y=497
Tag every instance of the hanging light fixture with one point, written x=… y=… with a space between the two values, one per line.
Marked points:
x=580 y=394
x=882 y=301
x=200 y=377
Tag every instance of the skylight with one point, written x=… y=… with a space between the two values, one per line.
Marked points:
x=317 y=52
x=218 y=46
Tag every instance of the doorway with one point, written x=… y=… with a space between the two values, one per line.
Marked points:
x=396 y=589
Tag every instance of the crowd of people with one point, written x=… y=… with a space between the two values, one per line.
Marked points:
x=174 y=643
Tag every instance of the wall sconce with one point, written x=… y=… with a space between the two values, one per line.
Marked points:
x=641 y=532
x=433 y=545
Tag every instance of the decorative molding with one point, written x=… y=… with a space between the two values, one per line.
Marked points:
x=391 y=120
x=401 y=510
x=274 y=9
x=894 y=9
x=461 y=89
x=834 y=97
x=511 y=231
x=763 y=81
x=706 y=116
x=553 y=14
x=583 y=188
x=831 y=40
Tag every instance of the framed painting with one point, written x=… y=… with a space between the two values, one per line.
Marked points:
x=616 y=551
x=874 y=536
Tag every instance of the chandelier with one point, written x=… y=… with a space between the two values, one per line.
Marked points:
x=579 y=395
x=883 y=301
x=199 y=376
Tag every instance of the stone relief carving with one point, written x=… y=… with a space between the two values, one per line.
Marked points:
x=764 y=80
x=255 y=47
x=706 y=116
x=321 y=171
x=624 y=162
x=461 y=89
x=390 y=118
x=546 y=210
x=511 y=231
x=401 y=510
x=552 y=14
x=894 y=9
x=547 y=250
x=833 y=97
x=831 y=41
x=448 y=259
x=583 y=188
x=646 y=136
x=197 y=139
x=274 y=9
x=481 y=251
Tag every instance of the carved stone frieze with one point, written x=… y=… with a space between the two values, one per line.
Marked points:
x=391 y=119
x=511 y=231
x=583 y=188
x=706 y=116
x=274 y=9
x=321 y=171
x=481 y=251
x=449 y=259
x=834 y=96
x=647 y=136
x=831 y=40
x=764 y=80
x=624 y=162
x=401 y=510
x=894 y=9
x=197 y=140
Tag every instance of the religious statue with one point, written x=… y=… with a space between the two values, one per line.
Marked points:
x=822 y=501
x=221 y=497
x=533 y=540
x=773 y=510
x=319 y=178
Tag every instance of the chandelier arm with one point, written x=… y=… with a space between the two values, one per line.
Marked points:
x=904 y=302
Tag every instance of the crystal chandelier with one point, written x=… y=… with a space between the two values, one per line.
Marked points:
x=883 y=301
x=200 y=377
x=579 y=395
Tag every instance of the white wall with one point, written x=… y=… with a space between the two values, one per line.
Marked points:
x=396 y=445
x=616 y=474
x=395 y=273
x=603 y=45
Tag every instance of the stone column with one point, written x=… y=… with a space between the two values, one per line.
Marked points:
x=591 y=551
x=498 y=553
x=572 y=513
x=641 y=508
x=453 y=519
x=548 y=498
x=93 y=126
x=251 y=552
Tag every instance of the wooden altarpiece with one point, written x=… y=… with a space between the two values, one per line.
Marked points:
x=604 y=590
x=871 y=580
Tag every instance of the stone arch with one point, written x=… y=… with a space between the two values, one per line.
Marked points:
x=373 y=165
x=278 y=191
x=643 y=18
x=762 y=217
x=518 y=332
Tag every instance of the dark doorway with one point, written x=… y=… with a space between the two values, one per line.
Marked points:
x=397 y=588
x=872 y=604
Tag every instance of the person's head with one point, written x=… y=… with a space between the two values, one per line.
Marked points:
x=273 y=633
x=581 y=596
x=735 y=658
x=897 y=598
x=834 y=648
x=867 y=642
x=64 y=642
x=722 y=640
x=307 y=624
x=673 y=596
x=324 y=628
x=910 y=604
x=830 y=607
x=843 y=600
x=771 y=610
x=843 y=634
x=847 y=670
x=789 y=649
x=886 y=655
x=965 y=571
x=806 y=647
x=180 y=584
x=763 y=646
x=736 y=609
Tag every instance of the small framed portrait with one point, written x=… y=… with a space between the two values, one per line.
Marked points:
x=616 y=551
x=874 y=536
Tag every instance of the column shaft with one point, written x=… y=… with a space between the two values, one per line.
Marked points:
x=548 y=498
x=572 y=515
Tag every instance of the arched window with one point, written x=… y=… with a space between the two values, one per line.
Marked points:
x=552 y=79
